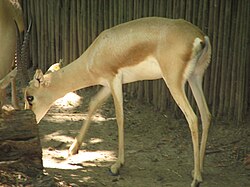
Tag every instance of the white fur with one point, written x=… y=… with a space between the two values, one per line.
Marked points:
x=150 y=68
x=192 y=63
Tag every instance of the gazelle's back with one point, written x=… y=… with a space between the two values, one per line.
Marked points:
x=150 y=40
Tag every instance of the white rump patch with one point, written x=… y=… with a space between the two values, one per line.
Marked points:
x=192 y=63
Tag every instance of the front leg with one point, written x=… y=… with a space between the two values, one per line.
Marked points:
x=75 y=146
x=99 y=99
x=116 y=89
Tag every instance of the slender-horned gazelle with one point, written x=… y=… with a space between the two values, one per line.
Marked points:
x=143 y=49
x=10 y=14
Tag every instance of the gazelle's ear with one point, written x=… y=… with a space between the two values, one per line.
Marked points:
x=39 y=79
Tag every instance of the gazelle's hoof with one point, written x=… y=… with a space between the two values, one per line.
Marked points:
x=113 y=174
x=74 y=148
x=115 y=168
x=197 y=179
x=195 y=183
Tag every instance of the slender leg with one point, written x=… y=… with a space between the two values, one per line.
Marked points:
x=99 y=99
x=116 y=89
x=10 y=77
x=195 y=83
x=2 y=98
x=180 y=98
x=4 y=82
x=14 y=99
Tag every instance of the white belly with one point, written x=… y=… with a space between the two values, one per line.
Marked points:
x=149 y=69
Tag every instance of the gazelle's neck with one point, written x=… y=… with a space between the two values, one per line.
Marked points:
x=72 y=77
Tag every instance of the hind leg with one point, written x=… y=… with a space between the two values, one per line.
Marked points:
x=177 y=91
x=195 y=82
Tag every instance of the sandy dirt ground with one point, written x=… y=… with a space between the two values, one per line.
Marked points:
x=158 y=148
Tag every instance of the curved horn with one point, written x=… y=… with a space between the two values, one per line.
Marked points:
x=24 y=57
x=18 y=62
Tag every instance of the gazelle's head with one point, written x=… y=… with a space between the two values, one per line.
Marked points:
x=37 y=95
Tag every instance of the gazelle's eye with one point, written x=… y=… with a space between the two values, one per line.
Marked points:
x=30 y=98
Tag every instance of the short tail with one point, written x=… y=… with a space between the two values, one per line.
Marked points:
x=200 y=58
x=204 y=57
